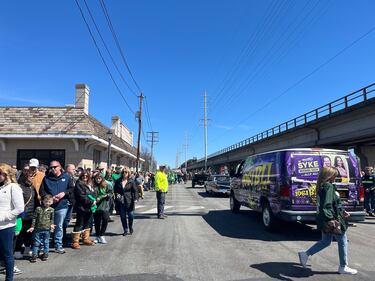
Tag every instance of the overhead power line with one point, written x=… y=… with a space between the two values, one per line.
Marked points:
x=109 y=22
x=102 y=58
x=107 y=49
x=148 y=117
x=315 y=70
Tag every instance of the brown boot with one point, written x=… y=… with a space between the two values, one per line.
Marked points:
x=75 y=240
x=86 y=238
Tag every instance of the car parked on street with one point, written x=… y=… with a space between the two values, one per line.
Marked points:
x=199 y=179
x=218 y=184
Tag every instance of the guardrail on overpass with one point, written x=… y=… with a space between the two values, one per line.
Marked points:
x=365 y=94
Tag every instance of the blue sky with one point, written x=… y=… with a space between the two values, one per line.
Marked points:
x=243 y=53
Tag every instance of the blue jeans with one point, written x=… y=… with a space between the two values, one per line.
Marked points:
x=123 y=212
x=160 y=197
x=40 y=238
x=67 y=218
x=59 y=220
x=6 y=251
x=342 y=243
x=369 y=201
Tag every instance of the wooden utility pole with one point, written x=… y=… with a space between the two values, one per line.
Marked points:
x=139 y=116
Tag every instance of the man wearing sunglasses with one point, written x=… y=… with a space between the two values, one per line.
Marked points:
x=58 y=184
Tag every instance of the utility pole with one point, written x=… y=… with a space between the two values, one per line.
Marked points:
x=177 y=158
x=139 y=116
x=205 y=131
x=152 y=137
x=186 y=145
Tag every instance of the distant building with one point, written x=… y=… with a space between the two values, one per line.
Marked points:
x=68 y=134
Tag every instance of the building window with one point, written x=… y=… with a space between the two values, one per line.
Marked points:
x=45 y=156
x=96 y=158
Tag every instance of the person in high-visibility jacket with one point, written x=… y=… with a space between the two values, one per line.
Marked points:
x=161 y=188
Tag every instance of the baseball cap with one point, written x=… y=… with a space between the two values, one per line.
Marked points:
x=34 y=162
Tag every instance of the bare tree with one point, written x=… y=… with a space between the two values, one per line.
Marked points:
x=146 y=155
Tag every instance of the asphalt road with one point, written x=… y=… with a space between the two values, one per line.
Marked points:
x=202 y=240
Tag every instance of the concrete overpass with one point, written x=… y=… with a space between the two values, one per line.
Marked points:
x=346 y=123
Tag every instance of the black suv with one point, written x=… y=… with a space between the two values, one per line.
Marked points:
x=199 y=179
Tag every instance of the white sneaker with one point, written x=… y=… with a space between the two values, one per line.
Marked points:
x=18 y=255
x=102 y=240
x=347 y=270
x=97 y=240
x=16 y=270
x=303 y=257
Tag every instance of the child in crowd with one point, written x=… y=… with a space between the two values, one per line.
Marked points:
x=41 y=226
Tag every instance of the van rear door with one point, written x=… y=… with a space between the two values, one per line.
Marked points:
x=303 y=168
x=302 y=172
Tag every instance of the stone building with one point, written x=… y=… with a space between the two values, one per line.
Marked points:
x=68 y=134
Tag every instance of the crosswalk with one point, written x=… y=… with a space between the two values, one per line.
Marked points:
x=169 y=209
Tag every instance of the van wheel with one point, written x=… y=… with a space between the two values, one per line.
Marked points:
x=270 y=222
x=234 y=204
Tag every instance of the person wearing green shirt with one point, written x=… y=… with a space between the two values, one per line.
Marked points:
x=330 y=212
x=161 y=188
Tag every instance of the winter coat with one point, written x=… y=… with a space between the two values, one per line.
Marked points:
x=104 y=197
x=11 y=204
x=54 y=185
x=30 y=198
x=329 y=206
x=82 y=198
x=127 y=195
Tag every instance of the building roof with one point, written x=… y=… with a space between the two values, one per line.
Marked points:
x=55 y=120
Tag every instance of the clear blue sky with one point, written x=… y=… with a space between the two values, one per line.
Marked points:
x=243 y=53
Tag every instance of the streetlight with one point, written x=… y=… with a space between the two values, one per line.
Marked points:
x=109 y=135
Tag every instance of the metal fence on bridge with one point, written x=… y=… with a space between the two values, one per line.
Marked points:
x=346 y=102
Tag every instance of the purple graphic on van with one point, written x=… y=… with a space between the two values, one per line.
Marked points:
x=303 y=169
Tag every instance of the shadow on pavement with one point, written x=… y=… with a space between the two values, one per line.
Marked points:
x=215 y=195
x=248 y=225
x=204 y=194
x=287 y=270
x=128 y=277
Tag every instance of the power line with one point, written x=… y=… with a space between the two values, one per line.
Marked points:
x=148 y=114
x=304 y=78
x=101 y=56
x=106 y=47
x=109 y=22
x=274 y=52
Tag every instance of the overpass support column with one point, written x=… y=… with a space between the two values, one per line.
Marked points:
x=367 y=155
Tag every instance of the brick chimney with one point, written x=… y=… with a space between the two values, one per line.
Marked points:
x=116 y=126
x=82 y=97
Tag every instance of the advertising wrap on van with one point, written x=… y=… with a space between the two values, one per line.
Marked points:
x=303 y=169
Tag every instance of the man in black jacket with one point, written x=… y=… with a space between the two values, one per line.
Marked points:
x=70 y=169
x=60 y=185
x=368 y=181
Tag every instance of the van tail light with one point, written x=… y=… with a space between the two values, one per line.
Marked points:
x=285 y=191
x=361 y=194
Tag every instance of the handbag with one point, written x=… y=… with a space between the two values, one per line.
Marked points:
x=332 y=227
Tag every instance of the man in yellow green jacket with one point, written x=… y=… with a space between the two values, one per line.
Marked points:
x=161 y=188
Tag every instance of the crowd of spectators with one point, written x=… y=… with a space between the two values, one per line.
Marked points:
x=38 y=202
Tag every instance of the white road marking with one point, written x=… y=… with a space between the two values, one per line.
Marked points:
x=178 y=209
